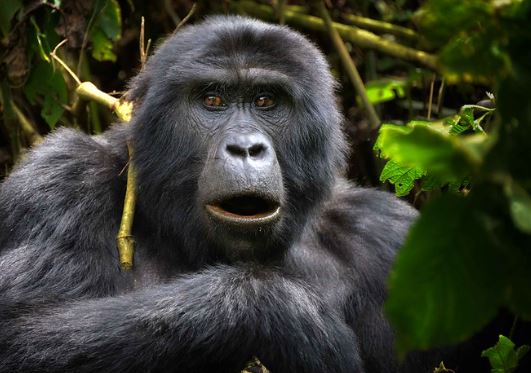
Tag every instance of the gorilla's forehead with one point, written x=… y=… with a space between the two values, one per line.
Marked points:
x=239 y=50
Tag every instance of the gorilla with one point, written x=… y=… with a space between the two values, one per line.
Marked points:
x=248 y=240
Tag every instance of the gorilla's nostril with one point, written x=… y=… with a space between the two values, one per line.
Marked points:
x=257 y=150
x=253 y=151
x=236 y=150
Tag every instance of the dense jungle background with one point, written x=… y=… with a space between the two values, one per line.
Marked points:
x=436 y=99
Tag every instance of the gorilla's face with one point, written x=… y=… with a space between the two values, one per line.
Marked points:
x=236 y=137
x=240 y=187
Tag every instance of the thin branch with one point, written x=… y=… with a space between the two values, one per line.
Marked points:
x=185 y=19
x=53 y=54
x=350 y=67
x=143 y=51
x=86 y=34
x=360 y=37
x=440 y=97
x=430 y=98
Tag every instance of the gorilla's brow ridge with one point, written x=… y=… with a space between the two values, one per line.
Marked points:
x=245 y=76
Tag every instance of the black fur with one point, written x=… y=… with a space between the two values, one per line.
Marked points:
x=313 y=305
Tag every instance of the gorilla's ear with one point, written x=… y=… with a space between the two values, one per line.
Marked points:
x=138 y=87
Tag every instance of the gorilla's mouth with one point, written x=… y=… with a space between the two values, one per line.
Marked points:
x=245 y=209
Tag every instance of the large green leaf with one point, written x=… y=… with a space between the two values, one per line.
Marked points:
x=448 y=279
x=430 y=147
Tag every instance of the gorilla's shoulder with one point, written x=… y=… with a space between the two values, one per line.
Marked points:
x=371 y=202
x=366 y=222
x=67 y=158
x=66 y=178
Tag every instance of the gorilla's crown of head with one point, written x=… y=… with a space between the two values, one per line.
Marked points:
x=300 y=137
x=237 y=42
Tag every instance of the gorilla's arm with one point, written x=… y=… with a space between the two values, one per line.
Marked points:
x=222 y=315
x=59 y=280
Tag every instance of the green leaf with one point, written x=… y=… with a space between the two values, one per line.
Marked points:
x=503 y=357
x=447 y=279
x=403 y=178
x=457 y=126
x=106 y=30
x=430 y=182
x=465 y=121
x=379 y=91
x=110 y=20
x=430 y=147
x=37 y=42
x=7 y=10
x=47 y=85
x=102 y=47
x=520 y=205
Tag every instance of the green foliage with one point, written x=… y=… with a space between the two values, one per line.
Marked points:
x=379 y=91
x=503 y=357
x=440 y=260
x=472 y=36
x=430 y=147
x=403 y=178
x=43 y=40
x=431 y=151
x=520 y=205
x=8 y=9
x=464 y=122
x=47 y=87
x=106 y=30
x=469 y=252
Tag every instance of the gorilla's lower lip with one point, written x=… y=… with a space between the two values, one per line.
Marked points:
x=246 y=209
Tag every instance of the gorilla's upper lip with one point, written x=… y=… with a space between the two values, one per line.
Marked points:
x=245 y=209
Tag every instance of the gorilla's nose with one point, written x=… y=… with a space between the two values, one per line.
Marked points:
x=254 y=146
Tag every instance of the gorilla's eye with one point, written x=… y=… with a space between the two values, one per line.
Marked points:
x=264 y=101
x=213 y=101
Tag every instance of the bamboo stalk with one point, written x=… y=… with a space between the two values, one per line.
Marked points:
x=381 y=26
x=353 y=34
x=27 y=127
x=349 y=65
x=123 y=110
x=124 y=239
